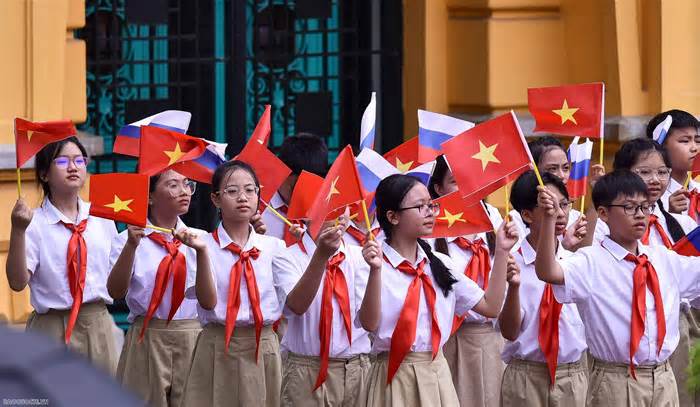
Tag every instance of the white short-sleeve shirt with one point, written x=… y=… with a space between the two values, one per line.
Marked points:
x=465 y=294
x=572 y=336
x=599 y=281
x=47 y=247
x=223 y=260
x=302 y=335
x=143 y=274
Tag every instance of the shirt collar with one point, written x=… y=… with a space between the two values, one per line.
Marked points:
x=530 y=254
x=53 y=215
x=395 y=259
x=225 y=240
x=619 y=252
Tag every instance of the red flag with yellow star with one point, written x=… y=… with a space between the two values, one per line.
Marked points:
x=121 y=197
x=575 y=110
x=308 y=184
x=486 y=157
x=269 y=169
x=161 y=148
x=457 y=218
x=340 y=188
x=404 y=156
x=31 y=137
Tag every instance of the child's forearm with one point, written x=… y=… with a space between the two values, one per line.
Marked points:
x=546 y=264
x=16 y=264
x=509 y=320
x=371 y=302
x=302 y=295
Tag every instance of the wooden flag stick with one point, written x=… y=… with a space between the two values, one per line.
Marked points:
x=279 y=215
x=537 y=173
x=369 y=225
x=160 y=229
x=507 y=203
x=583 y=203
x=687 y=180
x=19 y=183
x=601 y=150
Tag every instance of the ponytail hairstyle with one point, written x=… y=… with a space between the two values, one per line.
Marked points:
x=44 y=159
x=628 y=155
x=439 y=173
x=391 y=192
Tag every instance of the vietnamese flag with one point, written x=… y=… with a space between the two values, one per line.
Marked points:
x=261 y=134
x=121 y=197
x=31 y=137
x=269 y=169
x=305 y=190
x=404 y=156
x=161 y=149
x=457 y=218
x=488 y=156
x=340 y=188
x=575 y=110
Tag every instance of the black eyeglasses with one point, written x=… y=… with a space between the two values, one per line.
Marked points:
x=631 y=210
x=426 y=209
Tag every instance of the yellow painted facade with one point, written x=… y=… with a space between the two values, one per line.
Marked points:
x=460 y=56
x=42 y=78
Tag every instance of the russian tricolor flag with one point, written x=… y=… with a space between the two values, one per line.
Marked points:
x=202 y=168
x=368 y=124
x=435 y=129
x=127 y=140
x=689 y=245
x=580 y=158
x=373 y=168
x=423 y=172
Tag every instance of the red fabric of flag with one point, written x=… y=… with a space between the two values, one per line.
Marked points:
x=269 y=169
x=404 y=156
x=456 y=218
x=31 y=137
x=161 y=149
x=121 y=197
x=575 y=110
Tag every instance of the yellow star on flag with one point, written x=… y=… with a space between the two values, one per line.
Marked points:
x=566 y=113
x=333 y=190
x=174 y=155
x=30 y=133
x=118 y=205
x=403 y=167
x=486 y=155
x=451 y=219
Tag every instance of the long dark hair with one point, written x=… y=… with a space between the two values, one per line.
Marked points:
x=390 y=193
x=628 y=155
x=45 y=157
x=438 y=177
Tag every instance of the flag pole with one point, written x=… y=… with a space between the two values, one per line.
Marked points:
x=507 y=202
x=369 y=225
x=19 y=183
x=687 y=180
x=160 y=229
x=537 y=173
x=279 y=215
x=601 y=149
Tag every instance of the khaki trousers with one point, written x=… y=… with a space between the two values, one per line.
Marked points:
x=613 y=385
x=527 y=383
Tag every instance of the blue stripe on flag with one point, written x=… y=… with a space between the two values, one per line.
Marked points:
x=369 y=179
x=432 y=138
x=579 y=170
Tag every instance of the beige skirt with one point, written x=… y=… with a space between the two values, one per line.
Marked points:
x=527 y=383
x=156 y=369
x=420 y=381
x=93 y=334
x=612 y=385
x=218 y=378
x=474 y=356
x=345 y=385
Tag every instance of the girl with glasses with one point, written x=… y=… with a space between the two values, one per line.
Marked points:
x=474 y=351
x=236 y=360
x=62 y=253
x=150 y=269
x=408 y=332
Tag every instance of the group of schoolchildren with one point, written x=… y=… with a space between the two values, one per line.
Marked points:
x=552 y=308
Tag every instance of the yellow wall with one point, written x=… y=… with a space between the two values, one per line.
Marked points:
x=42 y=78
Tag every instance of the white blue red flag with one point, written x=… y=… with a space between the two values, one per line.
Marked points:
x=368 y=124
x=127 y=140
x=580 y=158
x=435 y=129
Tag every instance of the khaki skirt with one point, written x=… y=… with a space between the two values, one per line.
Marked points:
x=345 y=385
x=218 y=378
x=156 y=369
x=420 y=381
x=93 y=333
x=527 y=383
x=474 y=356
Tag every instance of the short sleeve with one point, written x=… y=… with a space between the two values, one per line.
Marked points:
x=467 y=292
x=32 y=244
x=577 y=279
x=286 y=272
x=118 y=243
x=687 y=272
